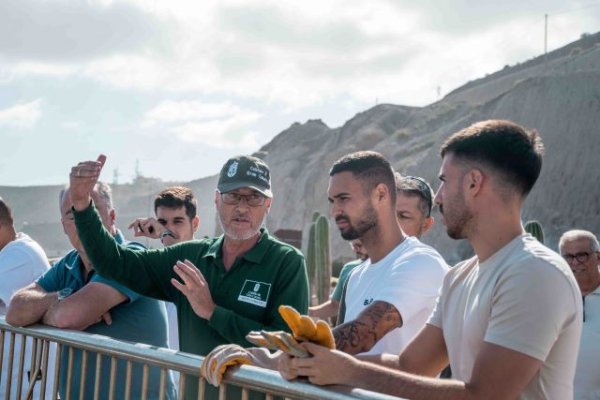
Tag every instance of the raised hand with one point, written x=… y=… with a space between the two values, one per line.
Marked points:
x=83 y=178
x=195 y=288
x=147 y=227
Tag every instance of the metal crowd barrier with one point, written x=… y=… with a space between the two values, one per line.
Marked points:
x=40 y=339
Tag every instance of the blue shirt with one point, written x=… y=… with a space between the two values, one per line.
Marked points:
x=140 y=319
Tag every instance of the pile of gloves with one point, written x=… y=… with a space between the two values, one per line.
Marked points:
x=303 y=328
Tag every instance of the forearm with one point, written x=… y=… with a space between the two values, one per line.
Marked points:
x=363 y=332
x=28 y=307
x=385 y=360
x=59 y=316
x=397 y=383
x=325 y=310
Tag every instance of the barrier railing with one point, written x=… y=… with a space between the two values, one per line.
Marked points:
x=33 y=380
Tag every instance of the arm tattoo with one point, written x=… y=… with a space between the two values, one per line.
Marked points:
x=361 y=334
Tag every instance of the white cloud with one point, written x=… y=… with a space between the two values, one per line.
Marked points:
x=177 y=111
x=219 y=124
x=21 y=116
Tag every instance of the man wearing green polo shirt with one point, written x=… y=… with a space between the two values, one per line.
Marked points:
x=223 y=287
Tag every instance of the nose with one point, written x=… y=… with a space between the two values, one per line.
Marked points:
x=437 y=199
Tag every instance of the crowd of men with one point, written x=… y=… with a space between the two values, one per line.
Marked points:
x=517 y=320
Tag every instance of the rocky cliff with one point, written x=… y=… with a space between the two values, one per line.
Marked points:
x=557 y=94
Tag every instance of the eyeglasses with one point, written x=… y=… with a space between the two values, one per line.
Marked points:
x=580 y=257
x=252 y=200
x=424 y=189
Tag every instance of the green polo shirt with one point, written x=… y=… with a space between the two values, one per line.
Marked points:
x=270 y=274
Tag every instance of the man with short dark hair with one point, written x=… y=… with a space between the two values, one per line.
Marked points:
x=414 y=203
x=72 y=295
x=581 y=250
x=176 y=221
x=389 y=296
x=509 y=319
x=223 y=287
x=176 y=217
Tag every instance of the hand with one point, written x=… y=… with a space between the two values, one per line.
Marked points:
x=325 y=367
x=286 y=368
x=106 y=317
x=83 y=178
x=194 y=288
x=147 y=227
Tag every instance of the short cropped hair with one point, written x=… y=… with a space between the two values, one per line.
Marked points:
x=5 y=213
x=176 y=197
x=369 y=167
x=103 y=190
x=414 y=186
x=506 y=147
x=576 y=234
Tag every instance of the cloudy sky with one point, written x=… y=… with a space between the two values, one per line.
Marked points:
x=176 y=87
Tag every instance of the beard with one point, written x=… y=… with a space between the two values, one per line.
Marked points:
x=362 y=226
x=456 y=217
x=237 y=234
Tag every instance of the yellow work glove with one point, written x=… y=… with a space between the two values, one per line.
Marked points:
x=279 y=340
x=216 y=362
x=305 y=329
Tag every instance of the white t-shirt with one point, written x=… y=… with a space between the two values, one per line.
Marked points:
x=22 y=261
x=525 y=298
x=409 y=278
x=587 y=374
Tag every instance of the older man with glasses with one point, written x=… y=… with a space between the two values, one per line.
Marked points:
x=223 y=287
x=582 y=252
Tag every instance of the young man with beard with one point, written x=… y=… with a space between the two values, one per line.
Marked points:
x=389 y=296
x=509 y=319
x=223 y=287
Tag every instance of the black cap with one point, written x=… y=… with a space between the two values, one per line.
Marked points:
x=245 y=172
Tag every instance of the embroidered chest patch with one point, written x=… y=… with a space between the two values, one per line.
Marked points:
x=255 y=292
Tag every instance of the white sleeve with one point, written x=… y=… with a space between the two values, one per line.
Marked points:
x=12 y=262
x=413 y=285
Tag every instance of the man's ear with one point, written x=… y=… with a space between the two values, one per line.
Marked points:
x=268 y=202
x=427 y=224
x=474 y=181
x=380 y=193
x=195 y=223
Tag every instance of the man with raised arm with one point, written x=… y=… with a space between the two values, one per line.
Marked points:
x=509 y=319
x=223 y=287
x=72 y=295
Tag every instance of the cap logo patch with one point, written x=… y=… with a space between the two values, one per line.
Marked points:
x=232 y=169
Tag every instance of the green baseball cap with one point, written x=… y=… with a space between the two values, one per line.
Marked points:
x=245 y=172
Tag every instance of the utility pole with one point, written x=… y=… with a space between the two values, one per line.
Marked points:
x=545 y=38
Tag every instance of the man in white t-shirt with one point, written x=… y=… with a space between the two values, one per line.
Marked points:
x=22 y=261
x=388 y=297
x=581 y=250
x=509 y=319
